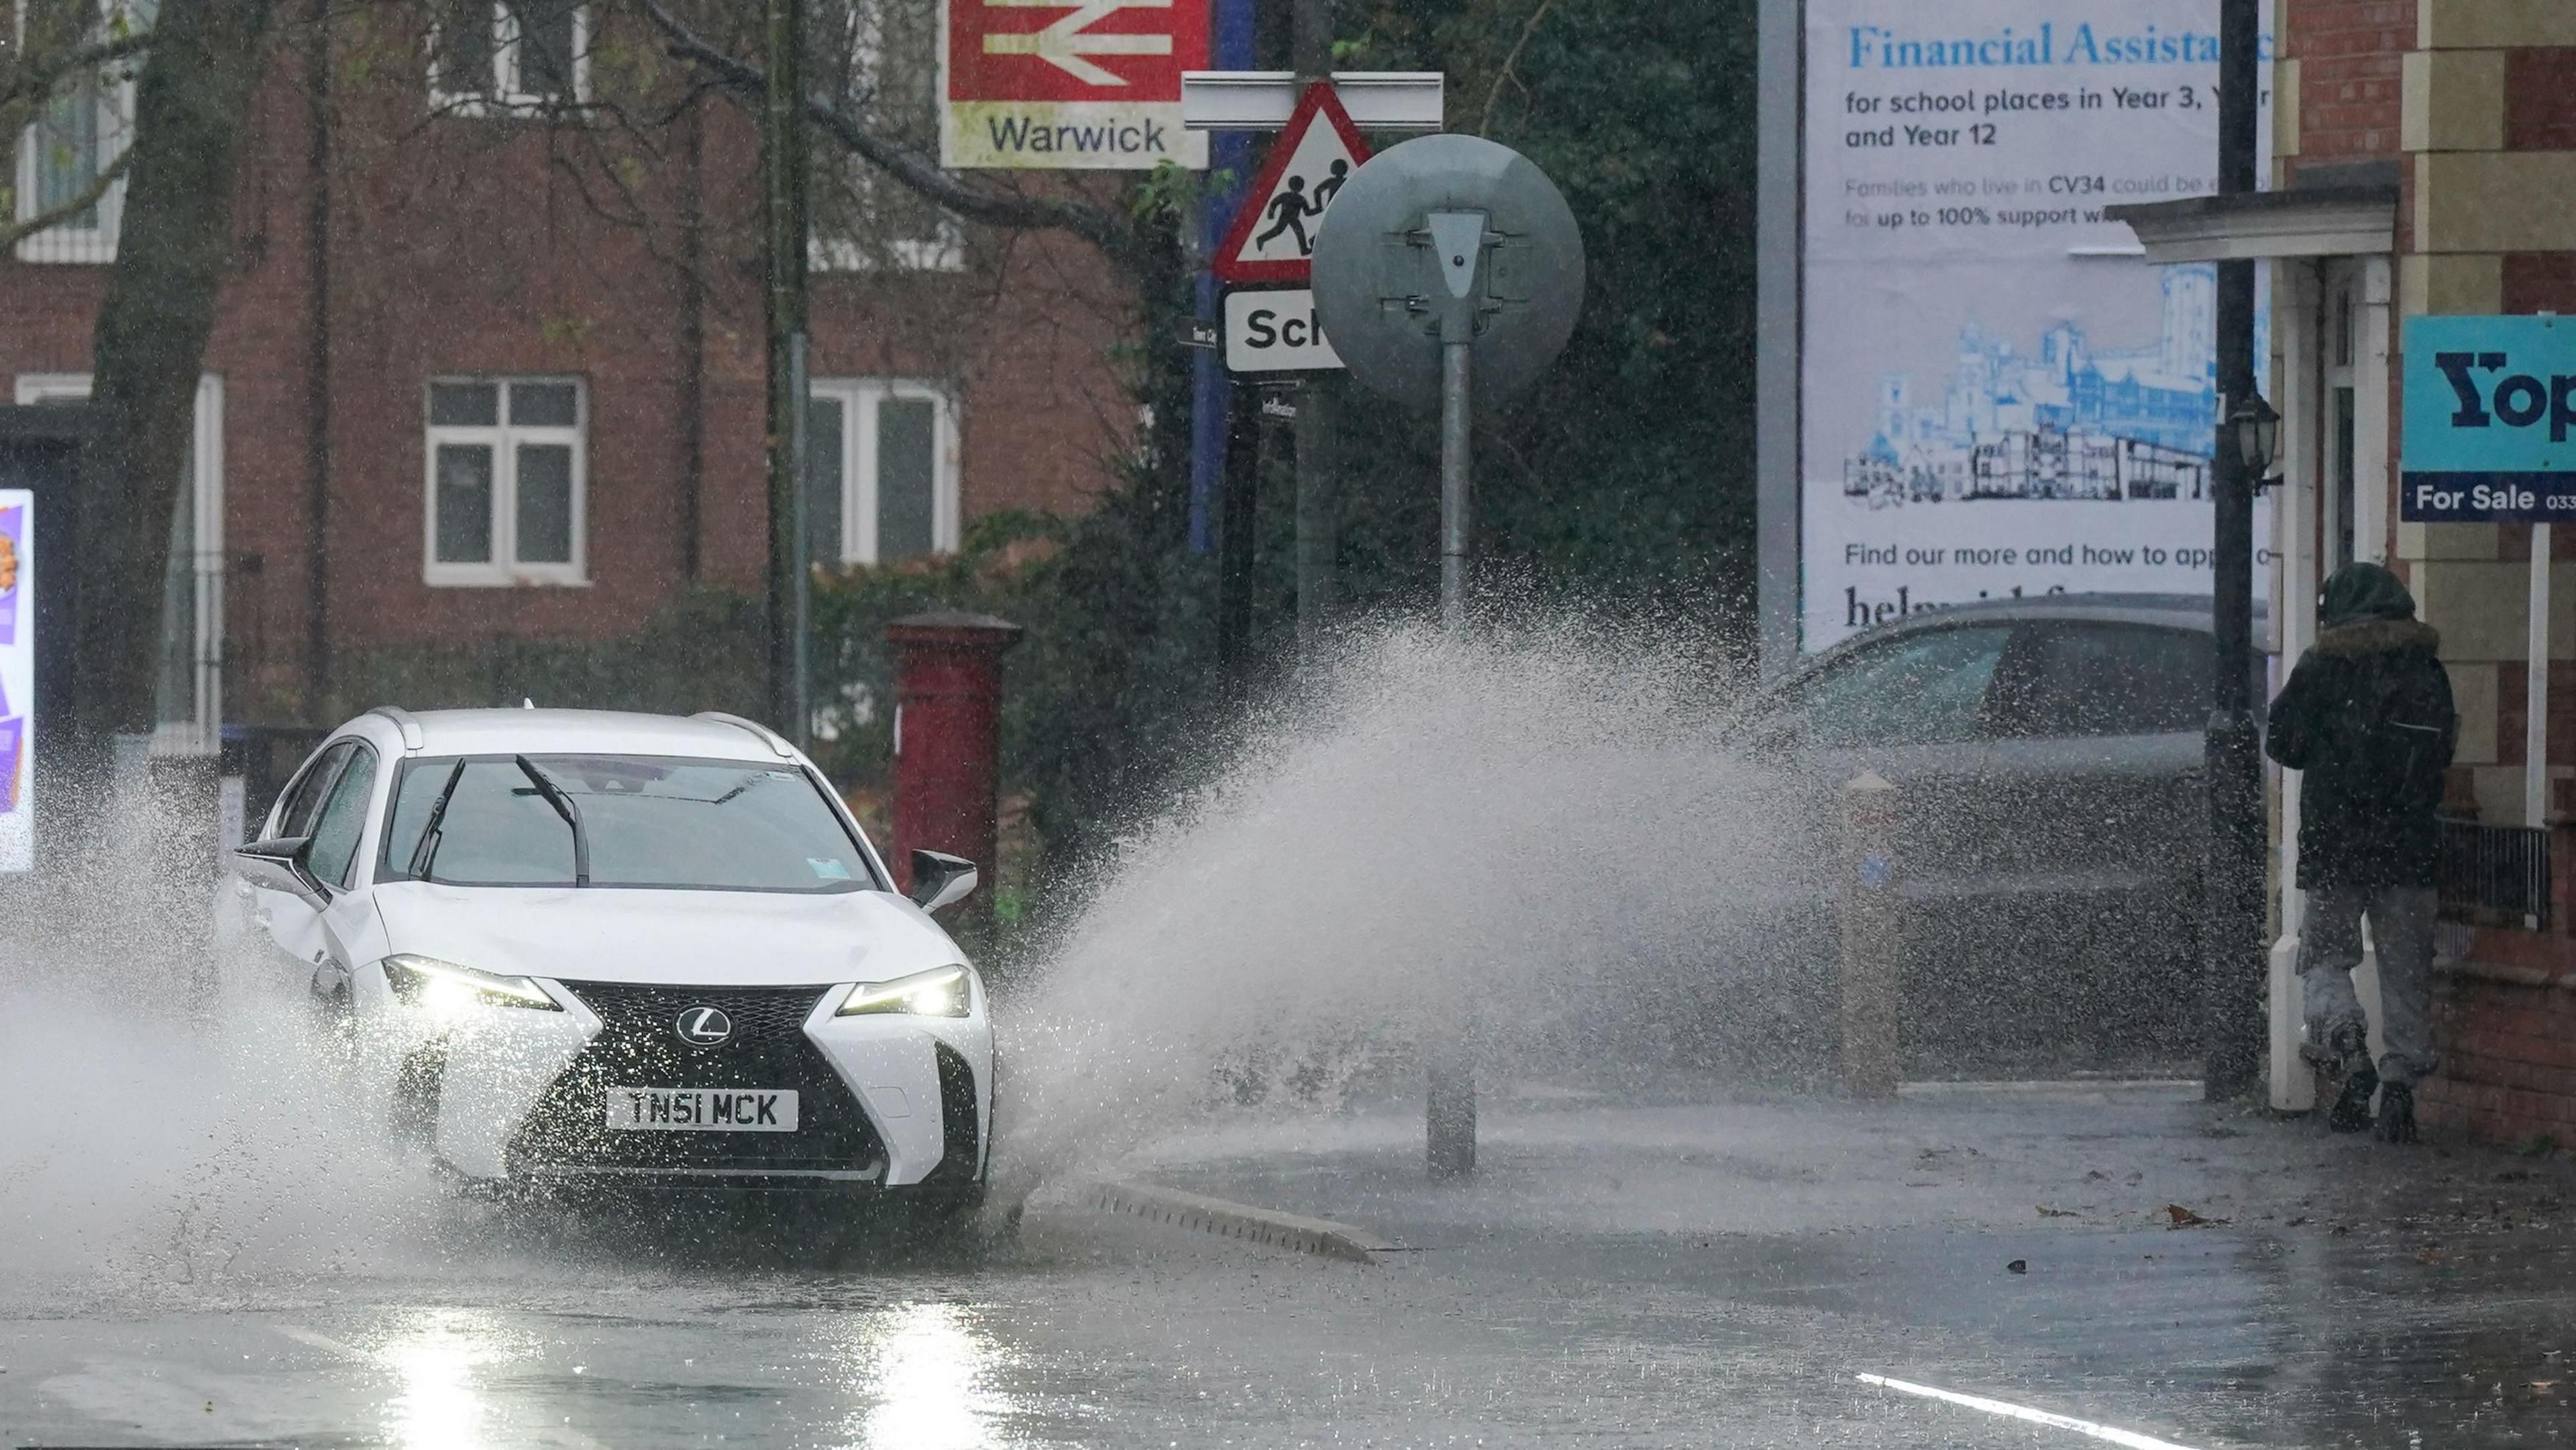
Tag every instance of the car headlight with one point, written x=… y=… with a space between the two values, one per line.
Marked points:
x=445 y=989
x=941 y=993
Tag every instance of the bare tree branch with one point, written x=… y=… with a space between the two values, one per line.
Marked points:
x=1494 y=93
x=12 y=233
x=36 y=82
x=1102 y=229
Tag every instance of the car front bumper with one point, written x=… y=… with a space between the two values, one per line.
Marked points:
x=893 y=1102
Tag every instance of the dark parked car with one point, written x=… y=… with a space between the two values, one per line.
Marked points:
x=2047 y=753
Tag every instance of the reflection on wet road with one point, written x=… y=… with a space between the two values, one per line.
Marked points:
x=1684 y=1276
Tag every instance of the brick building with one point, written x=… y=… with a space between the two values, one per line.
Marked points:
x=490 y=367
x=2425 y=163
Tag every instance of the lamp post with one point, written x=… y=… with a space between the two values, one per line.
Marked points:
x=2232 y=873
x=2256 y=434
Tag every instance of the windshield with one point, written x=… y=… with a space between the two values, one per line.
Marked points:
x=647 y=821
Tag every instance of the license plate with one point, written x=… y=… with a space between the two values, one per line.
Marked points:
x=703 y=1110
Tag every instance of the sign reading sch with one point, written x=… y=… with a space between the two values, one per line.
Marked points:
x=2490 y=410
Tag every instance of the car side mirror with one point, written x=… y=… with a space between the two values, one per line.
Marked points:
x=939 y=879
x=277 y=864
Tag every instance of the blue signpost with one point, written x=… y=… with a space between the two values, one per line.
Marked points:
x=2490 y=404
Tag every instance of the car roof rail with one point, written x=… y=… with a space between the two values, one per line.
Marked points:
x=411 y=736
x=769 y=737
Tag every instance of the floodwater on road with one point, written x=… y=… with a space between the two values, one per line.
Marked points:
x=2434 y=1306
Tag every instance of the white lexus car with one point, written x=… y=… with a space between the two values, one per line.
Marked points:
x=636 y=950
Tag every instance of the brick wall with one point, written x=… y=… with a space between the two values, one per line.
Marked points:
x=2507 y=1036
x=2349 y=55
x=493 y=245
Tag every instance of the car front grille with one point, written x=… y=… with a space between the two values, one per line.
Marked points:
x=639 y=1046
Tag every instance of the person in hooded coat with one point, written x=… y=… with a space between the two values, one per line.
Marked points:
x=2367 y=718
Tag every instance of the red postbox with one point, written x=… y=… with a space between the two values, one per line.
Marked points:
x=948 y=738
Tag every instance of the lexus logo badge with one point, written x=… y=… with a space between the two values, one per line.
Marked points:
x=705 y=1026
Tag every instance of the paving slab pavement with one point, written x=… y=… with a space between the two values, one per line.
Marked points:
x=2123 y=1252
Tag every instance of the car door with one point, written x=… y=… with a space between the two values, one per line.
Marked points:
x=291 y=925
x=328 y=805
x=338 y=859
x=2096 y=774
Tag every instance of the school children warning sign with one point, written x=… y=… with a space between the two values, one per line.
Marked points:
x=1068 y=85
x=1273 y=236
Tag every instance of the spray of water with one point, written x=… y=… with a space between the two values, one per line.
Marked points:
x=1540 y=840
x=174 y=1126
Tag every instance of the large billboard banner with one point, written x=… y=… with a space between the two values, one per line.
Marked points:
x=1999 y=395
x=17 y=679
x=1057 y=85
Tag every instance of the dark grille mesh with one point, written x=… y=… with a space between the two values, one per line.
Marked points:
x=639 y=1046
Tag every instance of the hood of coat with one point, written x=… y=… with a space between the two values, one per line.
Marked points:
x=2379 y=636
x=2362 y=591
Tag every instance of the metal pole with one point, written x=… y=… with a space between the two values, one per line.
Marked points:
x=1230 y=154
x=1448 y=1070
x=783 y=297
x=1238 y=504
x=1318 y=525
x=1779 y=91
x=800 y=575
x=2233 y=870
x=1455 y=440
x=1310 y=51
x=2535 y=718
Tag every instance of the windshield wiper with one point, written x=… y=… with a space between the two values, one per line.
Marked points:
x=562 y=802
x=427 y=850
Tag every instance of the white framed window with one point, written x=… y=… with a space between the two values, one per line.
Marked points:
x=78 y=133
x=498 y=57
x=188 y=689
x=506 y=470
x=886 y=56
x=880 y=470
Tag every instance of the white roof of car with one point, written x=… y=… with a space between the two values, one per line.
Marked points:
x=583 y=732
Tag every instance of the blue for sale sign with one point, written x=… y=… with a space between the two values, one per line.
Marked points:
x=2490 y=404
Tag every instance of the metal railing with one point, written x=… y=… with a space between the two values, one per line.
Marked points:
x=2493 y=875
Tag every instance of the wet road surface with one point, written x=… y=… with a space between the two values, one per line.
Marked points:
x=1683 y=1274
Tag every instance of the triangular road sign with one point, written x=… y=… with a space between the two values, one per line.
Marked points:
x=1273 y=235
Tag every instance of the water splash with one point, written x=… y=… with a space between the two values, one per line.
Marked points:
x=1534 y=835
x=175 y=1127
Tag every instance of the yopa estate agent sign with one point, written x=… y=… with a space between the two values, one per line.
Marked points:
x=2490 y=404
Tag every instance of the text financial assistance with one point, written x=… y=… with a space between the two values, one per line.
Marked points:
x=1999 y=396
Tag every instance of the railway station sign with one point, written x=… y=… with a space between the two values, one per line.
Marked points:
x=1068 y=85
x=2490 y=404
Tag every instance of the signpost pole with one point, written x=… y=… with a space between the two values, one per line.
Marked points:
x=1310 y=52
x=1439 y=207
x=1449 y=1097
x=2233 y=870
x=1456 y=438
x=783 y=198
x=2535 y=716
x=1459 y=238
